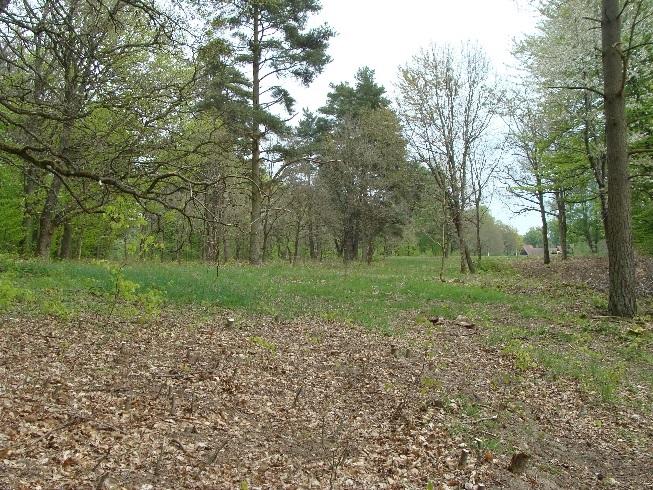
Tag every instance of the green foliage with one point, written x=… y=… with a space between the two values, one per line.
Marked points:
x=264 y=344
x=534 y=237
x=345 y=101
x=8 y=293
x=496 y=265
x=11 y=209
x=130 y=292
x=643 y=224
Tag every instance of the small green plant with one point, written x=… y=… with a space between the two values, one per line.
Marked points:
x=522 y=355
x=55 y=308
x=151 y=301
x=495 y=264
x=263 y=343
x=428 y=384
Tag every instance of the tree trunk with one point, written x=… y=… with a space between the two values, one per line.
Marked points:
x=562 y=222
x=339 y=247
x=46 y=222
x=466 y=262
x=545 y=227
x=65 y=246
x=255 y=170
x=622 y=299
x=29 y=187
x=348 y=240
x=369 y=253
x=298 y=229
x=312 y=245
x=478 y=229
x=225 y=247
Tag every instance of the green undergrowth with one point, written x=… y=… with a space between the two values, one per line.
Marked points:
x=372 y=296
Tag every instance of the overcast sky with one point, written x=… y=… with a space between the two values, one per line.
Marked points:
x=385 y=34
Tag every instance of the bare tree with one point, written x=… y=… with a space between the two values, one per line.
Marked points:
x=482 y=172
x=446 y=104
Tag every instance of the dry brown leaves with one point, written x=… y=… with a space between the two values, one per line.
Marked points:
x=172 y=404
x=590 y=271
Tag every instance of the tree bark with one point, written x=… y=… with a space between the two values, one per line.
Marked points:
x=562 y=223
x=28 y=211
x=369 y=251
x=622 y=296
x=46 y=221
x=298 y=229
x=466 y=262
x=478 y=229
x=255 y=170
x=545 y=227
x=349 y=248
x=65 y=246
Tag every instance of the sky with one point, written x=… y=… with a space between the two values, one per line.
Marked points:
x=385 y=34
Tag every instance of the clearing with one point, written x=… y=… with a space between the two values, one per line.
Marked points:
x=333 y=377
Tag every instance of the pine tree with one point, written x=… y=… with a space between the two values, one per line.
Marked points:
x=270 y=40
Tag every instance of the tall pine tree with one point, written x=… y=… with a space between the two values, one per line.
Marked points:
x=270 y=40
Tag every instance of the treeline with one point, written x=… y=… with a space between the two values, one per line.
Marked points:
x=125 y=134
x=581 y=125
x=152 y=128
x=557 y=123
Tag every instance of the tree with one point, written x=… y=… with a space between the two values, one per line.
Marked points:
x=446 y=104
x=92 y=94
x=271 y=40
x=369 y=181
x=530 y=138
x=622 y=297
x=534 y=237
x=606 y=67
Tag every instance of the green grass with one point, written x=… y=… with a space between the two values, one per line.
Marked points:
x=547 y=327
x=374 y=296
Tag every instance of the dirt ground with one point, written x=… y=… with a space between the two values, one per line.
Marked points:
x=104 y=404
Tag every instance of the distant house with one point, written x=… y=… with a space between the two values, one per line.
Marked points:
x=532 y=251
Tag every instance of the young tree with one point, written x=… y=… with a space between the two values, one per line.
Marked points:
x=530 y=139
x=446 y=104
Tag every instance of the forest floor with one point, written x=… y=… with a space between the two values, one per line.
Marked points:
x=332 y=377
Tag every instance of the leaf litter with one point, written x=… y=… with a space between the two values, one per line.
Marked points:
x=180 y=403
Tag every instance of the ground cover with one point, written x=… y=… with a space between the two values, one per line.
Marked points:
x=359 y=377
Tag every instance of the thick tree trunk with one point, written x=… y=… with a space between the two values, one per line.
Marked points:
x=65 y=246
x=255 y=170
x=622 y=296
